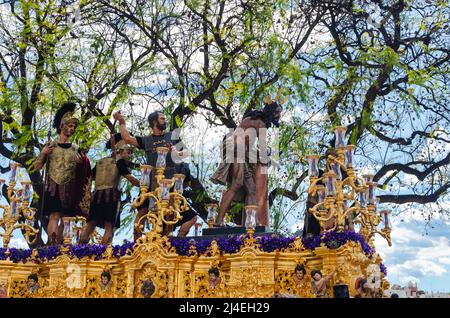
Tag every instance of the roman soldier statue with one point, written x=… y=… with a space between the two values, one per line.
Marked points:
x=67 y=188
x=105 y=205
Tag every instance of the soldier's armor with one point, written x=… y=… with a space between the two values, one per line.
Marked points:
x=106 y=174
x=62 y=164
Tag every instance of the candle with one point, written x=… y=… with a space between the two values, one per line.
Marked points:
x=349 y=156
x=336 y=169
x=330 y=186
x=145 y=175
x=179 y=179
x=368 y=177
x=151 y=204
x=26 y=190
x=67 y=228
x=161 y=160
x=371 y=197
x=313 y=165
x=2 y=182
x=13 y=175
x=250 y=220
x=385 y=218
x=14 y=208
x=165 y=189
x=321 y=193
x=340 y=136
x=198 y=227
x=363 y=198
x=211 y=212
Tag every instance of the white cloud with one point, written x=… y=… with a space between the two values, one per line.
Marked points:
x=404 y=235
x=406 y=279
x=422 y=267
x=444 y=260
x=18 y=243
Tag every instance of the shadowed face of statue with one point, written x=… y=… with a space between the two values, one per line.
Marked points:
x=299 y=275
x=69 y=128
x=31 y=283
x=105 y=280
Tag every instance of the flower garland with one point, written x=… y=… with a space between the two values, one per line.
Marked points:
x=186 y=246
x=94 y=251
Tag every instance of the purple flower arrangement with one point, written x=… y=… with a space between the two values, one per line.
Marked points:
x=231 y=244
x=94 y=251
x=383 y=269
x=18 y=255
x=183 y=247
x=270 y=244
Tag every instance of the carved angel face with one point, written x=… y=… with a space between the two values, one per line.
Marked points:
x=105 y=280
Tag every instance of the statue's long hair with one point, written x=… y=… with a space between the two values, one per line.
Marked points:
x=267 y=115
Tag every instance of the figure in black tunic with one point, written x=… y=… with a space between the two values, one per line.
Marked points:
x=105 y=211
x=159 y=138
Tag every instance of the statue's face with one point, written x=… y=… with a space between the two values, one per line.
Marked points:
x=69 y=128
x=31 y=283
x=317 y=276
x=161 y=122
x=365 y=286
x=126 y=154
x=277 y=116
x=212 y=277
x=105 y=280
x=299 y=274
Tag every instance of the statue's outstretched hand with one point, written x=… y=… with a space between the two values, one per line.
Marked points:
x=119 y=117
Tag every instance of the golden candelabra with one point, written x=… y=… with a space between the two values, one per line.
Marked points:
x=338 y=186
x=165 y=207
x=18 y=214
x=212 y=214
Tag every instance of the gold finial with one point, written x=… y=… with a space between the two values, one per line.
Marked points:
x=268 y=98
x=278 y=95
x=284 y=99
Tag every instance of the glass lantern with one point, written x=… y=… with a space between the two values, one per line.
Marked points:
x=14 y=208
x=368 y=177
x=67 y=228
x=161 y=160
x=339 y=132
x=313 y=161
x=26 y=190
x=212 y=214
x=165 y=189
x=2 y=182
x=349 y=156
x=385 y=218
x=145 y=175
x=250 y=219
x=362 y=198
x=330 y=185
x=198 y=228
x=179 y=179
x=151 y=204
x=336 y=168
x=13 y=174
x=371 y=195
x=321 y=193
